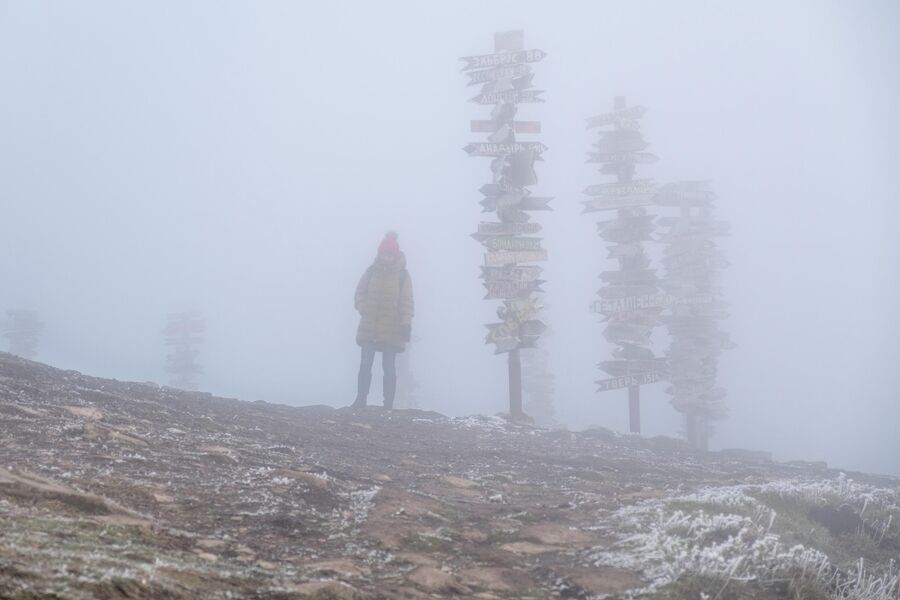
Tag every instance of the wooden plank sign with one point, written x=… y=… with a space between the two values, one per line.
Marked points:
x=498 y=149
x=616 y=202
x=628 y=381
x=628 y=114
x=487 y=61
x=492 y=228
x=517 y=126
x=523 y=273
x=496 y=259
x=630 y=188
x=502 y=187
x=511 y=243
x=631 y=303
x=511 y=96
x=509 y=72
x=508 y=290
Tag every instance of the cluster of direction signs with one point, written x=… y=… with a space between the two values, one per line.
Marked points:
x=506 y=81
x=693 y=265
x=183 y=334
x=22 y=330
x=630 y=299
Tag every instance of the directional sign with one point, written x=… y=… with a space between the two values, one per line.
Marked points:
x=507 y=228
x=646 y=301
x=632 y=303
x=532 y=328
x=627 y=114
x=499 y=331
x=628 y=332
x=517 y=126
x=627 y=381
x=632 y=352
x=626 y=236
x=630 y=188
x=612 y=292
x=496 y=149
x=630 y=222
x=625 y=251
x=506 y=345
x=523 y=274
x=622 y=157
x=535 y=203
x=500 y=59
x=511 y=289
x=497 y=189
x=509 y=72
x=492 y=203
x=511 y=96
x=508 y=85
x=494 y=259
x=615 y=202
x=512 y=215
x=619 y=368
x=518 y=168
x=512 y=243
x=519 y=310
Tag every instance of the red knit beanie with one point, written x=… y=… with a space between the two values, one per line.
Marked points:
x=389 y=244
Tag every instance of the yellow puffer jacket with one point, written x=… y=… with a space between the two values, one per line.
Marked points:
x=384 y=299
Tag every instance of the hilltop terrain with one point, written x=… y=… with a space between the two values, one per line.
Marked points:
x=117 y=490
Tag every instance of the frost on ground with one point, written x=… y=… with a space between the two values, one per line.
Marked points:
x=735 y=534
x=120 y=490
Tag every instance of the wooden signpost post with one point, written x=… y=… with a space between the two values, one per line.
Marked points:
x=183 y=334
x=506 y=78
x=693 y=264
x=22 y=330
x=630 y=299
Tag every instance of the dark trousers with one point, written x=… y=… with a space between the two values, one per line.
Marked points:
x=364 y=380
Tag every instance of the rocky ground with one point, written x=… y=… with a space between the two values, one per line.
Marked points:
x=126 y=490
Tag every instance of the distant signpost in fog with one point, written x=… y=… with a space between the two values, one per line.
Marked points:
x=693 y=264
x=507 y=78
x=183 y=334
x=22 y=331
x=630 y=300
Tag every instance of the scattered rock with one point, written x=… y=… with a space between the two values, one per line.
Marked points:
x=344 y=569
x=85 y=412
x=207 y=556
x=555 y=534
x=436 y=580
x=327 y=590
x=163 y=498
x=220 y=454
x=459 y=482
x=602 y=580
x=496 y=579
x=529 y=548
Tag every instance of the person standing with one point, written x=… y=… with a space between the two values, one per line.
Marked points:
x=384 y=299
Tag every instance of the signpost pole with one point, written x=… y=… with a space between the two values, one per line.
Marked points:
x=630 y=300
x=515 y=385
x=506 y=78
x=692 y=263
x=634 y=408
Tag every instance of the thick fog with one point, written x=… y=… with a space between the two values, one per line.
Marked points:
x=245 y=159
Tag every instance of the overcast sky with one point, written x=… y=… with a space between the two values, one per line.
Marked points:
x=245 y=159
